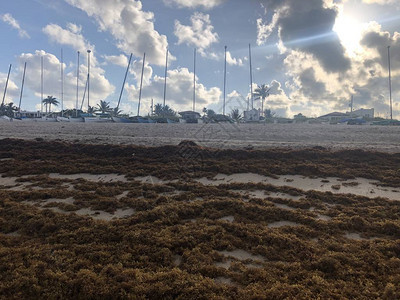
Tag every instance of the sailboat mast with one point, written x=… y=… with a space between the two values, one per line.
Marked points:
x=123 y=84
x=390 y=85
x=5 y=89
x=141 y=84
x=41 y=85
x=84 y=93
x=194 y=80
x=62 y=83
x=223 y=109
x=77 y=86
x=251 y=79
x=352 y=99
x=165 y=76
x=22 y=89
x=88 y=80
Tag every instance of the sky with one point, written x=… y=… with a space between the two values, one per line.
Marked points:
x=313 y=54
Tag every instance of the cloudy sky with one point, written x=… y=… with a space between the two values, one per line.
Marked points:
x=314 y=54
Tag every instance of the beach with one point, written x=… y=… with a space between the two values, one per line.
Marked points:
x=193 y=211
x=225 y=136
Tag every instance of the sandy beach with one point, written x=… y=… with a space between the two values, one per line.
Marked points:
x=234 y=136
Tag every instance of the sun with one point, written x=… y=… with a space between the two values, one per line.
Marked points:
x=349 y=31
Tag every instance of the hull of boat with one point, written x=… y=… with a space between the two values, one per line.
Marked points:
x=97 y=120
x=5 y=119
x=44 y=119
x=121 y=120
x=142 y=120
x=62 y=119
x=76 y=120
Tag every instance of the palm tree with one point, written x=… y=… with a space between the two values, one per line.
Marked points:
x=261 y=92
x=49 y=101
x=115 y=111
x=104 y=107
x=235 y=115
x=269 y=113
x=163 y=111
x=91 y=109
x=8 y=109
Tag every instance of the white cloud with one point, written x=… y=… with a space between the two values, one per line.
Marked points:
x=136 y=70
x=70 y=36
x=233 y=61
x=179 y=92
x=8 y=18
x=199 y=34
x=230 y=60
x=119 y=60
x=100 y=88
x=206 y=4
x=264 y=30
x=132 y=27
x=381 y=2
x=12 y=89
x=74 y=28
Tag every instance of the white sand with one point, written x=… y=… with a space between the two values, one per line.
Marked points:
x=365 y=187
x=382 y=138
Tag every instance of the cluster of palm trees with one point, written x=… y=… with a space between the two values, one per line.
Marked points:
x=102 y=107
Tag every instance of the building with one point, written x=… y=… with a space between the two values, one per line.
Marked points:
x=252 y=115
x=27 y=114
x=189 y=117
x=334 y=117
x=362 y=113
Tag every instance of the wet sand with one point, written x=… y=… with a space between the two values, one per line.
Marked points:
x=234 y=136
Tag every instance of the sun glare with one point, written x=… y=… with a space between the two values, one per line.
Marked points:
x=349 y=31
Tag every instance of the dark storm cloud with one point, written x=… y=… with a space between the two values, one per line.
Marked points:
x=307 y=26
x=379 y=41
x=310 y=86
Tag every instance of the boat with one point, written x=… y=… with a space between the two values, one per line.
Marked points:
x=62 y=119
x=42 y=119
x=76 y=119
x=169 y=121
x=97 y=118
x=142 y=120
x=121 y=120
x=6 y=119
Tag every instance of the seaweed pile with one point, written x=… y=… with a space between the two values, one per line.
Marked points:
x=185 y=239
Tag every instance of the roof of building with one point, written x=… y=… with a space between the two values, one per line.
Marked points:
x=334 y=114
x=189 y=112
